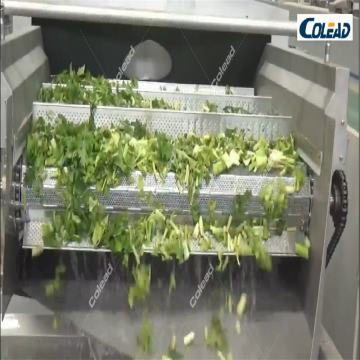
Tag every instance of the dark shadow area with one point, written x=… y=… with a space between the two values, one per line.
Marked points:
x=196 y=55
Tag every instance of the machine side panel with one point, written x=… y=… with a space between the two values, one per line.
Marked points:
x=9 y=241
x=311 y=92
x=313 y=276
x=25 y=68
x=339 y=314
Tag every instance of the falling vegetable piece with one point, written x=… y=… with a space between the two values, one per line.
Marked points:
x=230 y=302
x=141 y=288
x=144 y=338
x=222 y=357
x=241 y=304
x=215 y=335
x=36 y=251
x=56 y=322
x=188 y=339
x=173 y=354
x=172 y=285
x=301 y=250
x=238 y=329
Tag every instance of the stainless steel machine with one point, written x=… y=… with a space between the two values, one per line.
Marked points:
x=284 y=90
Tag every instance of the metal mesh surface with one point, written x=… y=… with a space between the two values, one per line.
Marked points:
x=222 y=189
x=185 y=88
x=196 y=101
x=283 y=245
x=173 y=123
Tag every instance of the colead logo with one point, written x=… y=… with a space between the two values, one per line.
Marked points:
x=329 y=27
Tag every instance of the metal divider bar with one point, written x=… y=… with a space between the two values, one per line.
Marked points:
x=173 y=123
x=185 y=88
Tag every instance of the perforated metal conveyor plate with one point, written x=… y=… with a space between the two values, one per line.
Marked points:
x=222 y=189
x=195 y=101
x=175 y=123
x=283 y=245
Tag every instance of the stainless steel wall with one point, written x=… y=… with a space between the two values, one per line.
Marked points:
x=342 y=281
x=20 y=22
x=341 y=53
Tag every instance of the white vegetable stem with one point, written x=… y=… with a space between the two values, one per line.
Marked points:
x=188 y=339
x=241 y=305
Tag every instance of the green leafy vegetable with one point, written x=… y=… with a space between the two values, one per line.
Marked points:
x=172 y=285
x=215 y=335
x=54 y=286
x=144 y=338
x=141 y=288
x=172 y=354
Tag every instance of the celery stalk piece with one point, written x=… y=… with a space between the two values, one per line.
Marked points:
x=238 y=328
x=241 y=304
x=230 y=304
x=188 y=339
x=301 y=250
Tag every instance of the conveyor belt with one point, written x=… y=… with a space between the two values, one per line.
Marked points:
x=222 y=189
x=195 y=101
x=173 y=123
x=283 y=245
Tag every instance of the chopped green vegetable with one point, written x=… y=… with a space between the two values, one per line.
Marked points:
x=85 y=156
x=144 y=338
x=215 y=335
x=56 y=322
x=241 y=304
x=230 y=303
x=36 y=251
x=172 y=285
x=141 y=288
x=238 y=328
x=172 y=354
x=53 y=287
x=301 y=250
x=188 y=339
x=222 y=357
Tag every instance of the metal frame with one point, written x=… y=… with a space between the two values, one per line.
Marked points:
x=148 y=18
x=315 y=95
x=19 y=86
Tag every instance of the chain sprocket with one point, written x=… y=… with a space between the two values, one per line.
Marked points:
x=338 y=210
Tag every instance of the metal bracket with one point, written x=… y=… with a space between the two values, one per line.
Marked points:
x=6 y=22
x=2 y=21
x=312 y=156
